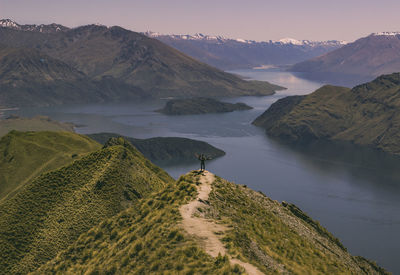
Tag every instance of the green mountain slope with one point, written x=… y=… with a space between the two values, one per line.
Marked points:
x=37 y=123
x=129 y=63
x=279 y=238
x=167 y=149
x=146 y=239
x=50 y=212
x=150 y=239
x=26 y=155
x=368 y=114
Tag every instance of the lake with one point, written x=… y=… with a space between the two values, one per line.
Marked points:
x=353 y=192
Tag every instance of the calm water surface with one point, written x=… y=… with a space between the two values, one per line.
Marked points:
x=353 y=192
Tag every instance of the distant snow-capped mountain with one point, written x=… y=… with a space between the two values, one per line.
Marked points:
x=197 y=36
x=235 y=53
x=220 y=51
x=310 y=42
x=385 y=34
x=363 y=59
x=7 y=23
x=220 y=38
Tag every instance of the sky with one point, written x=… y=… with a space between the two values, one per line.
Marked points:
x=251 y=19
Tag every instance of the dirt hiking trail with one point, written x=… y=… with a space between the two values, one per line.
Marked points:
x=206 y=231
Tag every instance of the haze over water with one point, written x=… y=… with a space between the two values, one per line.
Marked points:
x=352 y=192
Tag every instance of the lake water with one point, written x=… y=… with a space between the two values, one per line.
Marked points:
x=353 y=192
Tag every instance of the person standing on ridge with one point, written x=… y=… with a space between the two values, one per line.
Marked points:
x=202 y=159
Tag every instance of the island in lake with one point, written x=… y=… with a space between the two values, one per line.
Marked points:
x=200 y=105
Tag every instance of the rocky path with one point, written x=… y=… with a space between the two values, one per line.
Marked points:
x=206 y=231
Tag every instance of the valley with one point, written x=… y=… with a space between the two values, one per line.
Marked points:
x=353 y=196
x=103 y=128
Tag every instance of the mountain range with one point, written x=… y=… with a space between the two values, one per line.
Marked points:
x=367 y=115
x=360 y=61
x=228 y=53
x=50 y=28
x=51 y=64
x=70 y=205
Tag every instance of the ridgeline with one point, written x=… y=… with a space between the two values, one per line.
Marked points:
x=112 y=211
x=104 y=64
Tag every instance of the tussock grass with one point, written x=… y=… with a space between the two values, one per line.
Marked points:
x=146 y=239
x=113 y=212
x=279 y=237
x=49 y=213
x=26 y=155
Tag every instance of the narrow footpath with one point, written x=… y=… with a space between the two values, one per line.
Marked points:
x=206 y=231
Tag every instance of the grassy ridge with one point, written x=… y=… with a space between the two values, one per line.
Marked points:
x=279 y=238
x=146 y=239
x=112 y=211
x=25 y=155
x=50 y=213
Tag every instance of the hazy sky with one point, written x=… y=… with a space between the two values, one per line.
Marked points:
x=250 y=19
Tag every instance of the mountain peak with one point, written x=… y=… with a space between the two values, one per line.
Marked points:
x=50 y=28
x=224 y=39
x=385 y=34
x=8 y=23
x=291 y=41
